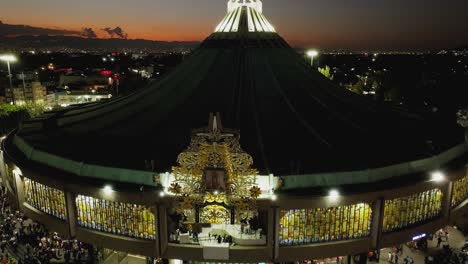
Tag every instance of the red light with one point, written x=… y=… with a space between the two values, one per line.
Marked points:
x=106 y=72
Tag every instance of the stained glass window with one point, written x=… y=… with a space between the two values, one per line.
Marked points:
x=460 y=191
x=46 y=199
x=406 y=211
x=123 y=219
x=306 y=226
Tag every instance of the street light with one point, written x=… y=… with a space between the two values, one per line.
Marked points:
x=274 y=197
x=108 y=190
x=312 y=54
x=8 y=59
x=333 y=194
x=438 y=176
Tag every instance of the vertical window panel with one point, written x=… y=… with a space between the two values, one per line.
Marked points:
x=410 y=210
x=460 y=191
x=45 y=199
x=306 y=226
x=122 y=219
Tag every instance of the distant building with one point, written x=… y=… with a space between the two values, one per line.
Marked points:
x=64 y=99
x=145 y=72
x=27 y=76
x=138 y=56
x=30 y=92
x=83 y=82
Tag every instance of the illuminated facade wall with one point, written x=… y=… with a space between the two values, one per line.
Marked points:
x=117 y=218
x=46 y=199
x=306 y=226
x=406 y=211
x=9 y=175
x=460 y=191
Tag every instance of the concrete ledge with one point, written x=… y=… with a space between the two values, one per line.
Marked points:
x=51 y=222
x=251 y=254
x=236 y=253
x=459 y=215
x=324 y=250
x=405 y=235
x=119 y=243
x=185 y=252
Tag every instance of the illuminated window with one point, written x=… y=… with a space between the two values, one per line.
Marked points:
x=410 y=210
x=46 y=199
x=122 y=219
x=306 y=226
x=460 y=191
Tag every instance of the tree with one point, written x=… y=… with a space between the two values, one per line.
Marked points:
x=12 y=115
x=34 y=109
x=358 y=87
x=7 y=109
x=326 y=72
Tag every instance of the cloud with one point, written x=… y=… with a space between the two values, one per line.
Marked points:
x=117 y=31
x=88 y=33
x=22 y=30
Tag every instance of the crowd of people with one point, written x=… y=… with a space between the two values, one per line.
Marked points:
x=32 y=243
x=396 y=254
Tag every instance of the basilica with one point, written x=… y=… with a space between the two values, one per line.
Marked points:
x=243 y=153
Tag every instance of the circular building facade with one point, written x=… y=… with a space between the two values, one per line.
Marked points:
x=242 y=153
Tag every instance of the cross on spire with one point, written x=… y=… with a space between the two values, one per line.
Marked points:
x=215 y=131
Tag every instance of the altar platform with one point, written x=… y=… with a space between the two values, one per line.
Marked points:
x=234 y=231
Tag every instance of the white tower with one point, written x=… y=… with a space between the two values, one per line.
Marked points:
x=256 y=4
x=249 y=10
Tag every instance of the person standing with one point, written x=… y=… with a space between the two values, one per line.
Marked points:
x=67 y=256
x=390 y=256
x=439 y=240
x=396 y=258
x=5 y=259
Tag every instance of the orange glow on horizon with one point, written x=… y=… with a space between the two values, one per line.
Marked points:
x=171 y=32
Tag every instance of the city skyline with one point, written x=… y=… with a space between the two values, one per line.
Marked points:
x=354 y=25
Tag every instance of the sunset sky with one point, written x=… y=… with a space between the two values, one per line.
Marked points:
x=331 y=24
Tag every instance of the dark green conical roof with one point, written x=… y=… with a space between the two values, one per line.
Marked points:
x=292 y=120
